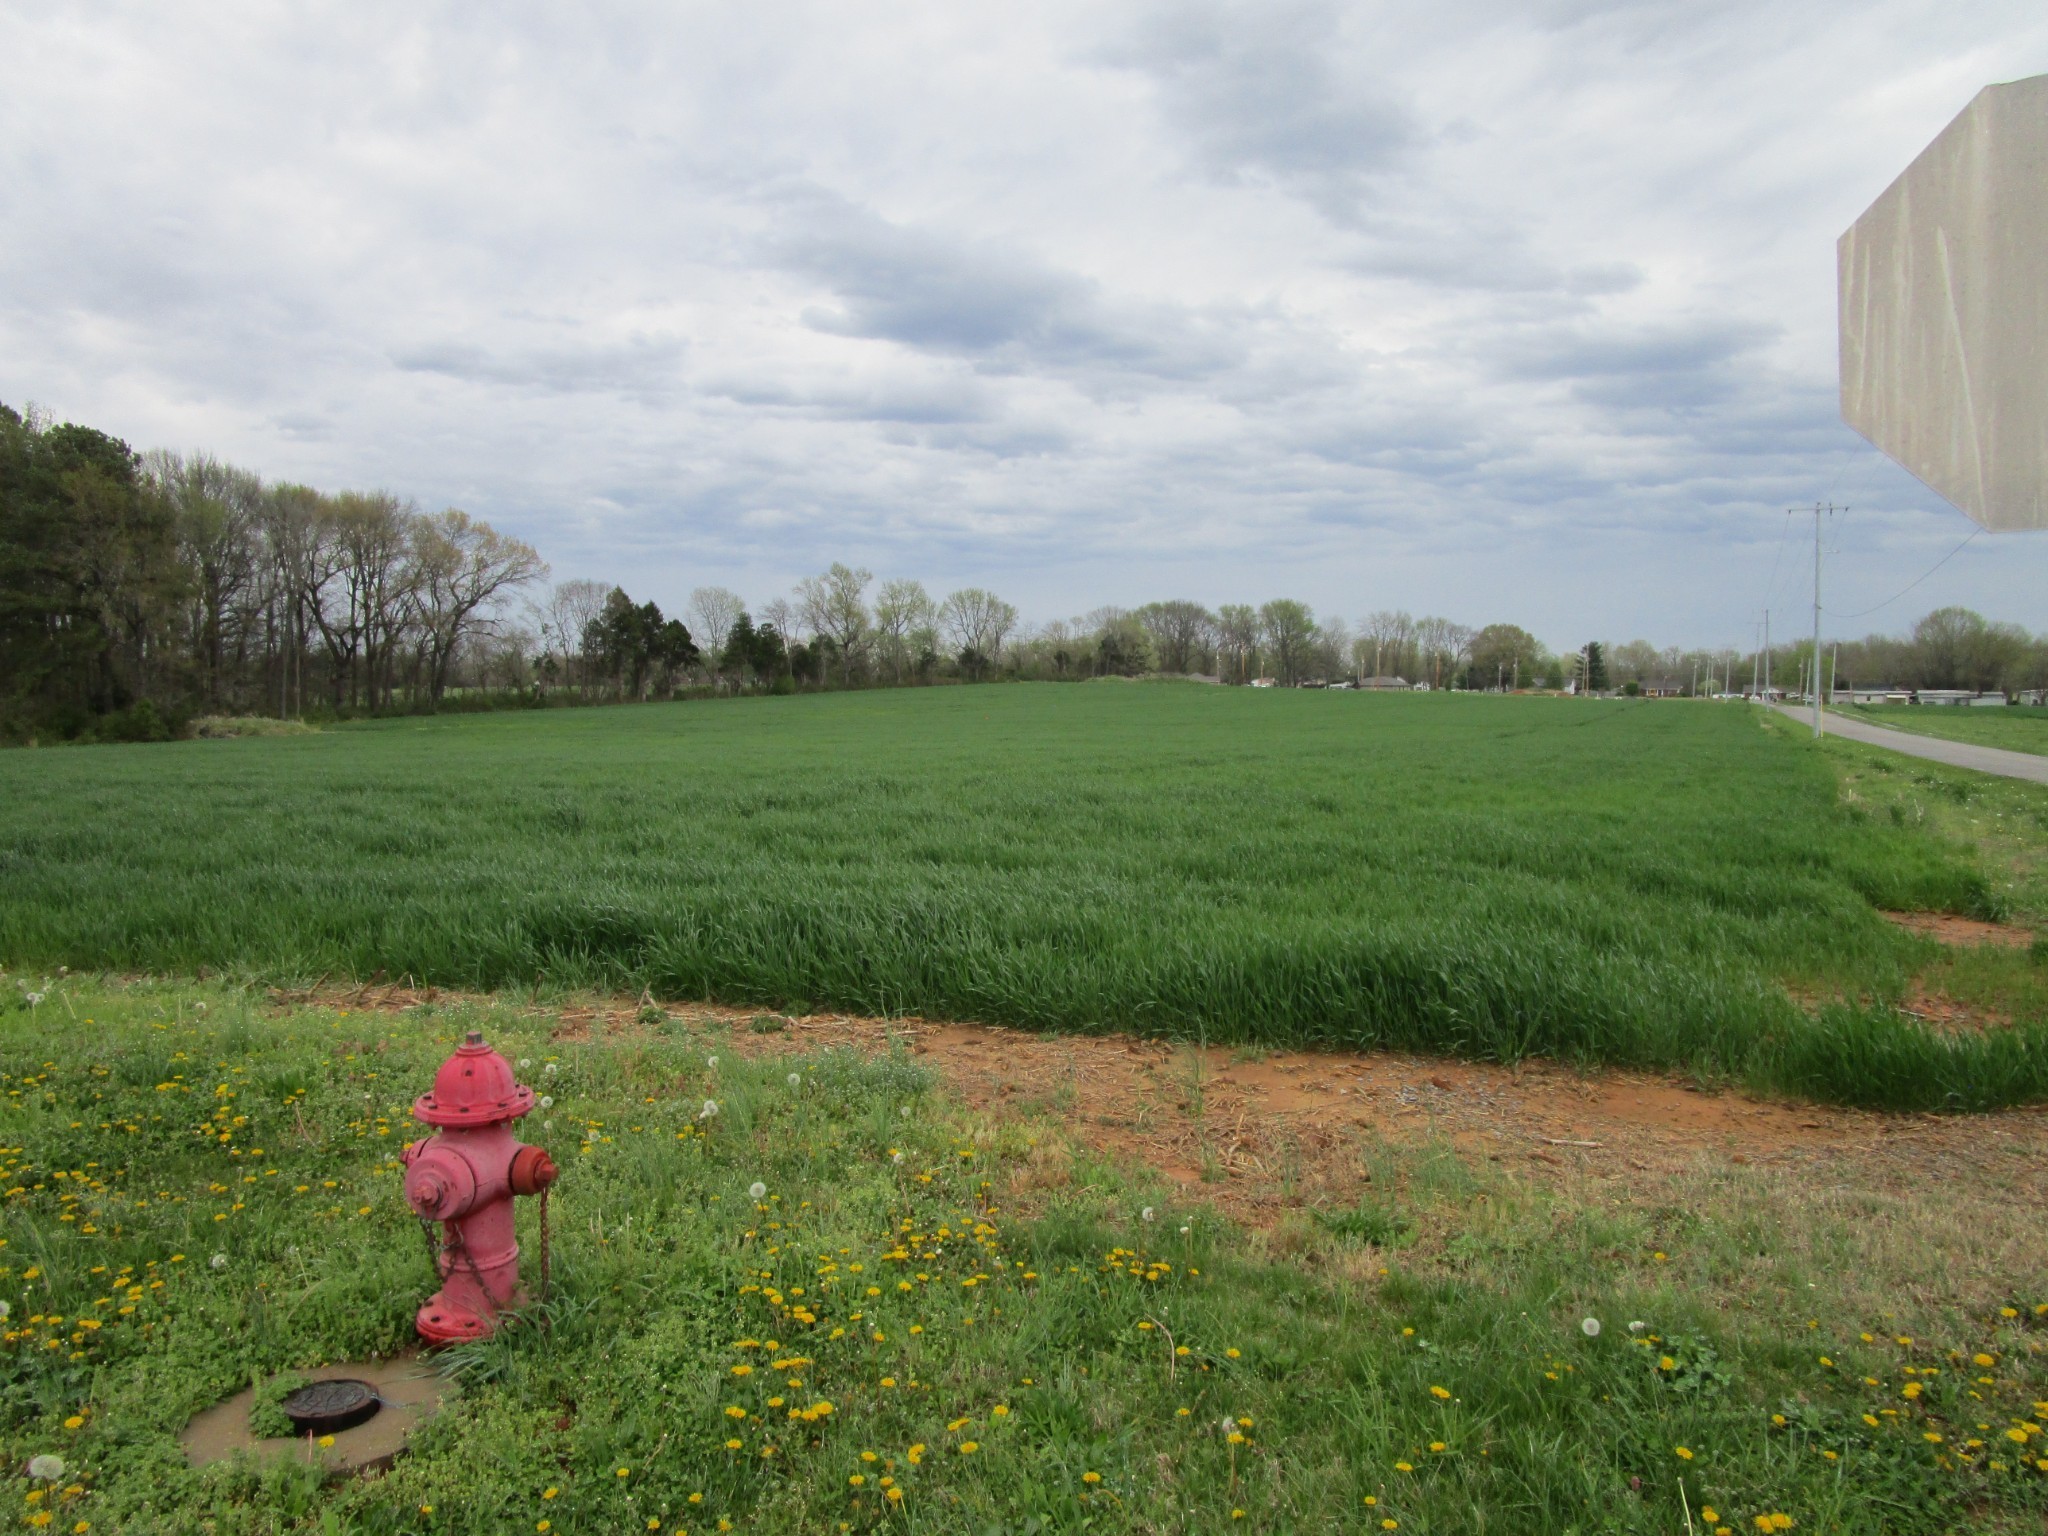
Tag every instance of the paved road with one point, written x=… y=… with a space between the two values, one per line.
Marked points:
x=1957 y=754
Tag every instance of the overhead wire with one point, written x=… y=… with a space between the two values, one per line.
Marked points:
x=1944 y=560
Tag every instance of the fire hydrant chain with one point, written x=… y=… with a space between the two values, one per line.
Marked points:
x=466 y=1177
x=433 y=1246
x=547 y=1287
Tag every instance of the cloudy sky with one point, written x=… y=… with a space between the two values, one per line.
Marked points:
x=1513 y=310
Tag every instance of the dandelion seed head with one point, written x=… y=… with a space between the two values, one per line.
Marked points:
x=218 y=1261
x=757 y=1189
x=1590 y=1327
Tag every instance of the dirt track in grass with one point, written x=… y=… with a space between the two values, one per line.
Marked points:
x=1265 y=1133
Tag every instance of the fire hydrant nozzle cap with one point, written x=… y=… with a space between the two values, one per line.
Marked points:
x=475 y=1086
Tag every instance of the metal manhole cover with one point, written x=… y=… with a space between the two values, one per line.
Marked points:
x=328 y=1406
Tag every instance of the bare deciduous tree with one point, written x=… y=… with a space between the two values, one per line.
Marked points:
x=903 y=610
x=1181 y=631
x=565 y=616
x=833 y=606
x=1237 y=641
x=713 y=612
x=459 y=566
x=977 y=622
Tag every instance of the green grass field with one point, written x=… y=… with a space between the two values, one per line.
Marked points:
x=2017 y=728
x=1618 y=881
x=201 y=1188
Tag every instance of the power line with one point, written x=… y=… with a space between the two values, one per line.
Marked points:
x=1944 y=560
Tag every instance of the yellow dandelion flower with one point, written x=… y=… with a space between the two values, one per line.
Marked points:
x=1681 y=1453
x=1091 y=1478
x=1440 y=1392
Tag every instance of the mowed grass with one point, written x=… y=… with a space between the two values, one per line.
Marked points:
x=1619 y=881
x=2016 y=728
x=926 y=1321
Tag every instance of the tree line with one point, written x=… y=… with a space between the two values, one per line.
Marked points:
x=138 y=590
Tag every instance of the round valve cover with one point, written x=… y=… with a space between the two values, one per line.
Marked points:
x=326 y=1407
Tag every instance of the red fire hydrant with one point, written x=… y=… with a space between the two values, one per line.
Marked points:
x=466 y=1177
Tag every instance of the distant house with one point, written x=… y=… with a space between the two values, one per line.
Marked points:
x=1880 y=694
x=2034 y=696
x=1946 y=696
x=1264 y=682
x=1384 y=682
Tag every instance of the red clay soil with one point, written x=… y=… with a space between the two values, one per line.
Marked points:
x=1259 y=1133
x=1295 y=1128
x=1944 y=928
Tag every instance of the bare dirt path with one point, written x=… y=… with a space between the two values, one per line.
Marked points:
x=1259 y=1133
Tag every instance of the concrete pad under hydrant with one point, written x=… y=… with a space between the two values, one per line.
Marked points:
x=410 y=1391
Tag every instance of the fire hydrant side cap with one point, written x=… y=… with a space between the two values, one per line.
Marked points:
x=475 y=1086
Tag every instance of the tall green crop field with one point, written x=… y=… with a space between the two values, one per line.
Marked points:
x=1621 y=881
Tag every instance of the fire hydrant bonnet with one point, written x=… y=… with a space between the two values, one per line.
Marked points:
x=475 y=1086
